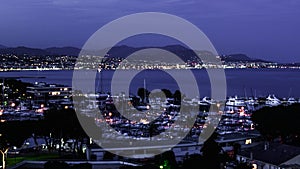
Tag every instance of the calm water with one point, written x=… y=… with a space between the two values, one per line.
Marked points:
x=242 y=82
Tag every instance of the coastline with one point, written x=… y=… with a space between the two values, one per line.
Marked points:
x=64 y=69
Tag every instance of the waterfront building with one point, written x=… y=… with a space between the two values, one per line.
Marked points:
x=42 y=94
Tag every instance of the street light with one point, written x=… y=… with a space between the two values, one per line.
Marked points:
x=218 y=105
x=3 y=157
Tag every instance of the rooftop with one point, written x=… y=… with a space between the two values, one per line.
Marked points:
x=272 y=153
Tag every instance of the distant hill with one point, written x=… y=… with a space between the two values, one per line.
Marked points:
x=40 y=52
x=240 y=58
x=2 y=46
x=24 y=51
x=124 y=51
x=63 y=51
x=183 y=52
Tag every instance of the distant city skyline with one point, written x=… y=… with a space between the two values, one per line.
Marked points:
x=266 y=29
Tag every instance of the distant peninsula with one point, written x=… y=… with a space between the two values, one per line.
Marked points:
x=64 y=58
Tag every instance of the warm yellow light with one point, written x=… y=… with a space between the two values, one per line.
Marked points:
x=40 y=110
x=248 y=141
x=144 y=121
x=55 y=93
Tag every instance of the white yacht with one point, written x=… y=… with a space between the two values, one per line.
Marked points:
x=291 y=100
x=251 y=101
x=206 y=101
x=272 y=100
x=235 y=101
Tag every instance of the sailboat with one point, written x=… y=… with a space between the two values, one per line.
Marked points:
x=144 y=105
x=206 y=101
x=291 y=100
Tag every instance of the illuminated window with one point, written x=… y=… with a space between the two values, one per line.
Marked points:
x=55 y=93
x=252 y=126
x=248 y=141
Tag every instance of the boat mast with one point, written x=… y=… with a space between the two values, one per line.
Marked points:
x=101 y=81
x=145 y=101
x=290 y=92
x=245 y=92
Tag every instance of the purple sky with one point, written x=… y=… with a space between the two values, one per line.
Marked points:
x=266 y=29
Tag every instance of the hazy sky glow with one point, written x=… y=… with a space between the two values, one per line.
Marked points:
x=267 y=29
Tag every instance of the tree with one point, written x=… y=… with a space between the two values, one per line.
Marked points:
x=64 y=124
x=177 y=96
x=236 y=149
x=143 y=93
x=16 y=132
x=151 y=129
x=167 y=160
x=211 y=151
x=167 y=92
x=279 y=121
x=193 y=161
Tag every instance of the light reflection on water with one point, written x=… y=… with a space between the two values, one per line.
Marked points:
x=242 y=82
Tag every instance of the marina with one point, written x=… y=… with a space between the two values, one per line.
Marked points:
x=233 y=115
x=132 y=121
x=159 y=119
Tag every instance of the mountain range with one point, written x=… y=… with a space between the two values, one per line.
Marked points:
x=22 y=50
x=1 y=46
x=120 y=51
x=241 y=58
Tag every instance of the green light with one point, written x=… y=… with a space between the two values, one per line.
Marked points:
x=161 y=167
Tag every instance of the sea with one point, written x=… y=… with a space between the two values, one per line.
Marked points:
x=283 y=83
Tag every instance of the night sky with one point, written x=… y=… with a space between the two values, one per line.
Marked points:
x=265 y=29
